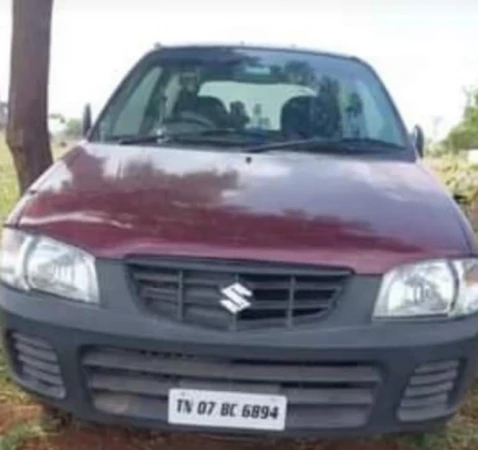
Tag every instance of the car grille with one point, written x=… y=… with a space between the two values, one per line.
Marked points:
x=429 y=391
x=189 y=291
x=36 y=364
x=320 y=395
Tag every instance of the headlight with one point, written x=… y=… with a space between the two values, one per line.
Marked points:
x=430 y=289
x=43 y=264
x=12 y=257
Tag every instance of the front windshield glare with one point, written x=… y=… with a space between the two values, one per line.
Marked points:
x=262 y=95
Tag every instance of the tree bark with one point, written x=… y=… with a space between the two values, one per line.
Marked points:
x=27 y=129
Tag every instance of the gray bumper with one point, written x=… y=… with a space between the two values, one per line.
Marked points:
x=115 y=364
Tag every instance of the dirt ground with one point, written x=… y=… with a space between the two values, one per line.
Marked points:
x=11 y=416
x=66 y=434
x=117 y=439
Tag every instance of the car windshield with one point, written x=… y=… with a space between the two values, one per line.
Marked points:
x=246 y=96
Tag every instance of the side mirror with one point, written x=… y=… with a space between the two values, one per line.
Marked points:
x=87 y=122
x=418 y=139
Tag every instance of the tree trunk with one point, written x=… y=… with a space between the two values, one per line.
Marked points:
x=27 y=130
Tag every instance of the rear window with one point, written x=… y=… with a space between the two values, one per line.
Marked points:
x=263 y=102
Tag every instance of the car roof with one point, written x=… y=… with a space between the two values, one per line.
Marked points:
x=243 y=45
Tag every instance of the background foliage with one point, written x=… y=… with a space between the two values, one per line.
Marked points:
x=464 y=136
x=459 y=175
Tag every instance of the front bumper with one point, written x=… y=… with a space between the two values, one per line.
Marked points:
x=115 y=365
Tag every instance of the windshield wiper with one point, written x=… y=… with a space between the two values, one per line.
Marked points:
x=210 y=136
x=186 y=138
x=234 y=137
x=304 y=145
x=345 y=145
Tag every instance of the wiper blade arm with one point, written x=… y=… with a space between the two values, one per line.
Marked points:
x=226 y=136
x=185 y=138
x=318 y=145
x=212 y=136
x=309 y=145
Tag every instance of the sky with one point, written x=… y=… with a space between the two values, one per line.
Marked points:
x=424 y=50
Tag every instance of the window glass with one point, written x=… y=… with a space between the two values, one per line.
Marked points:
x=130 y=117
x=287 y=95
x=263 y=103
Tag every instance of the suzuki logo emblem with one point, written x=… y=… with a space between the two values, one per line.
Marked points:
x=236 y=298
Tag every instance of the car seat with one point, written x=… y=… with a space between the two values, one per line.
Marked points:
x=310 y=116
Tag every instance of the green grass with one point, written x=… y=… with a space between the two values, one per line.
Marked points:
x=9 y=393
x=39 y=429
x=16 y=437
x=8 y=182
x=8 y=195
x=20 y=434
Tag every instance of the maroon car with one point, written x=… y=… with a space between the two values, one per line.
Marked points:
x=245 y=241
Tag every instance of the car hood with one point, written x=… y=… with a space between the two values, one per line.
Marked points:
x=365 y=213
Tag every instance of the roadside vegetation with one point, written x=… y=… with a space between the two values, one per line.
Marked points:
x=24 y=424
x=8 y=183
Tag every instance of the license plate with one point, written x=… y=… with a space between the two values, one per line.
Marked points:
x=227 y=409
